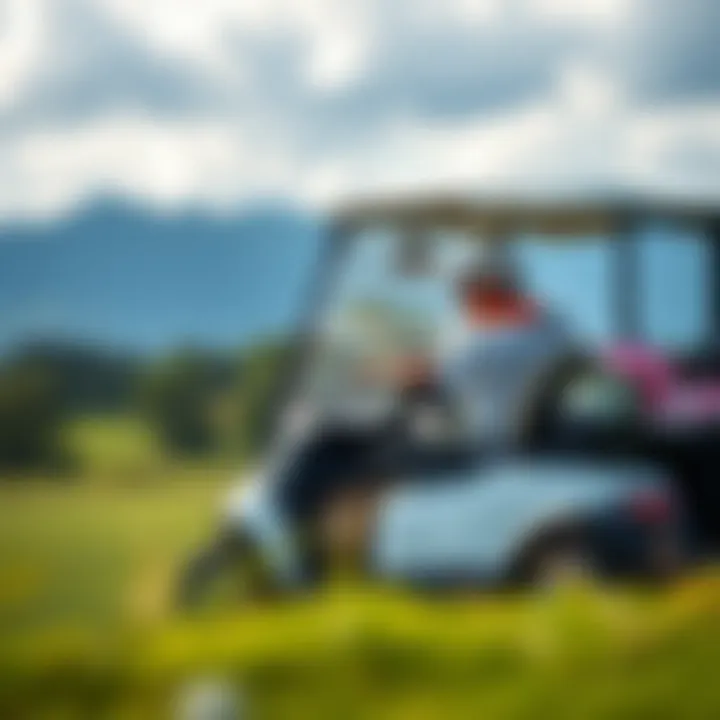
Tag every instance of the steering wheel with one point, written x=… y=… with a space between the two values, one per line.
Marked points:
x=576 y=404
x=427 y=414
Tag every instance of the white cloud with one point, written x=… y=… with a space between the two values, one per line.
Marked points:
x=21 y=39
x=168 y=164
x=178 y=102
x=610 y=12
x=544 y=149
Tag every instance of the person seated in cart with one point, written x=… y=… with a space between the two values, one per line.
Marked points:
x=503 y=341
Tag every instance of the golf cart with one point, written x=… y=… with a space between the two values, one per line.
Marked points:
x=598 y=479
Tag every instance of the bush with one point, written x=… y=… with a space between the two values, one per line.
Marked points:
x=177 y=397
x=31 y=417
x=369 y=655
x=256 y=397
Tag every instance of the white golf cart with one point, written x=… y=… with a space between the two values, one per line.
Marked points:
x=390 y=483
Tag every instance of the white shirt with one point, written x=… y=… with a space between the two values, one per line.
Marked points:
x=489 y=372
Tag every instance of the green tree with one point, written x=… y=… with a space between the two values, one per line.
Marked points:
x=198 y=402
x=253 y=403
x=178 y=394
x=31 y=415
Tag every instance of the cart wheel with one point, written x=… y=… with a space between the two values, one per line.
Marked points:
x=562 y=566
x=225 y=573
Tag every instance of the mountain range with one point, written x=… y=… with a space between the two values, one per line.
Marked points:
x=134 y=281
x=126 y=277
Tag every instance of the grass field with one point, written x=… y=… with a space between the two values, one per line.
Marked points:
x=86 y=631
x=83 y=553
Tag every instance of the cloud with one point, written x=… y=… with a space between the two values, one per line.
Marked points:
x=176 y=102
x=670 y=50
x=21 y=41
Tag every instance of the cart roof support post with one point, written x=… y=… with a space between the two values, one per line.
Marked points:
x=712 y=233
x=626 y=279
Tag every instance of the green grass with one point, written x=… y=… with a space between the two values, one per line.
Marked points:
x=85 y=547
x=76 y=553
x=86 y=630
x=113 y=446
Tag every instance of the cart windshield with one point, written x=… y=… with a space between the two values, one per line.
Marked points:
x=390 y=301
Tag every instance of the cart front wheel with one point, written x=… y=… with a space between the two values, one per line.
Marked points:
x=226 y=572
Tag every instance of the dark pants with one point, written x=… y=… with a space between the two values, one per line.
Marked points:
x=324 y=464
x=340 y=458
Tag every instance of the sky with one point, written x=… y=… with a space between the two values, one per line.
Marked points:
x=221 y=103
x=202 y=112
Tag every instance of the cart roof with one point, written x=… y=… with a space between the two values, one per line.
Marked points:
x=501 y=217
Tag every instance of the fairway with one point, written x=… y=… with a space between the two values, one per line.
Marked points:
x=90 y=553
x=87 y=631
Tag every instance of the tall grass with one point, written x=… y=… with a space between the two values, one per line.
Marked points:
x=86 y=630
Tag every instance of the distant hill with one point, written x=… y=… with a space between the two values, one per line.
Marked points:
x=85 y=378
x=123 y=277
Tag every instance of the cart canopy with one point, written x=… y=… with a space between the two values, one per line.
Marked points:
x=498 y=218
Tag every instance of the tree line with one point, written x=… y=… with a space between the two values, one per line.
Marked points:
x=196 y=401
